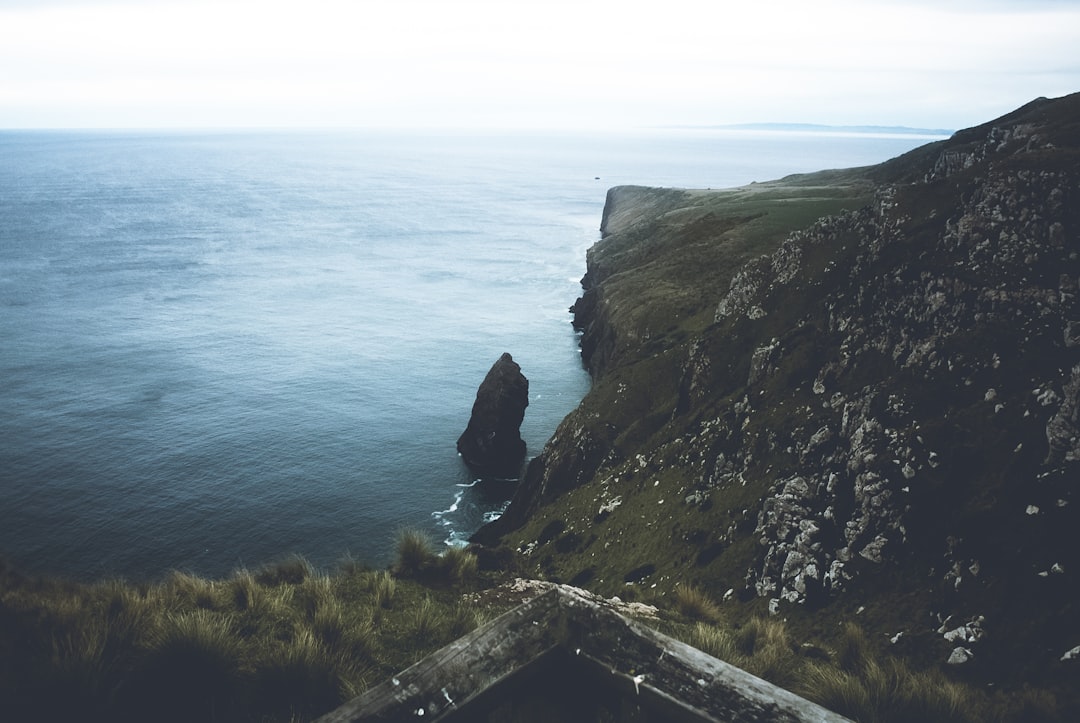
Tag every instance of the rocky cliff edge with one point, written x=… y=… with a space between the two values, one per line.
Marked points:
x=847 y=393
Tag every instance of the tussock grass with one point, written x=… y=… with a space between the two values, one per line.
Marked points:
x=457 y=566
x=383 y=587
x=184 y=590
x=415 y=553
x=428 y=620
x=293 y=570
x=856 y=682
x=694 y=603
x=889 y=690
x=463 y=619
x=282 y=643
x=246 y=593
x=289 y=643
x=853 y=650
x=300 y=676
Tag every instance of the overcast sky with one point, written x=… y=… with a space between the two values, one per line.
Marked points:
x=520 y=63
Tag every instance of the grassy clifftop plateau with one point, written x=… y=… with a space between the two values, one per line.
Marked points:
x=849 y=396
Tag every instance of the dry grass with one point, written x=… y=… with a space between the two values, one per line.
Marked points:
x=855 y=682
x=415 y=553
x=694 y=603
x=457 y=566
x=283 y=643
x=289 y=643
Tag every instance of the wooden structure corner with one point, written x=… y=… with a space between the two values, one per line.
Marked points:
x=569 y=656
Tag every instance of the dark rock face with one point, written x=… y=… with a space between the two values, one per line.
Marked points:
x=882 y=405
x=492 y=442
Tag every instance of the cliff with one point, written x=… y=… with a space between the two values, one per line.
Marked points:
x=854 y=390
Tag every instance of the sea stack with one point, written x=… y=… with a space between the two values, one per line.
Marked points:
x=492 y=443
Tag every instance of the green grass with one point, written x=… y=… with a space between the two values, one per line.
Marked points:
x=283 y=643
x=694 y=603
x=272 y=646
x=850 y=677
x=415 y=553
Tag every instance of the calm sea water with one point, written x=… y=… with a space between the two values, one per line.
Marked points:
x=219 y=349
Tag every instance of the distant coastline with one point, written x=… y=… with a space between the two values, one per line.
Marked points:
x=820 y=128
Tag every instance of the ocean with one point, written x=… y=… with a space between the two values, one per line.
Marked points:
x=221 y=348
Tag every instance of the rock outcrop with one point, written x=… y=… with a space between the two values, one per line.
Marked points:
x=851 y=385
x=491 y=443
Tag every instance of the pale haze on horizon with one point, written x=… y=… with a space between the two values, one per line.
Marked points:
x=497 y=64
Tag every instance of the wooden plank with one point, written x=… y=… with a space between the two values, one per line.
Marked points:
x=451 y=677
x=672 y=678
x=658 y=677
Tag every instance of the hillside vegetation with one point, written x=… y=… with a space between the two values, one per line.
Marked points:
x=833 y=436
x=840 y=398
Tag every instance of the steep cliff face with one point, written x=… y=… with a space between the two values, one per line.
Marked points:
x=845 y=390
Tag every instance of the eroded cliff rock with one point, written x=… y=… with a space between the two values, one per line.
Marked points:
x=848 y=386
x=491 y=443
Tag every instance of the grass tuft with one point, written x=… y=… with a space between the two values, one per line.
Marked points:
x=882 y=692
x=383 y=588
x=183 y=590
x=428 y=620
x=716 y=641
x=694 y=603
x=415 y=553
x=185 y=652
x=301 y=676
x=457 y=566
x=293 y=570
x=853 y=650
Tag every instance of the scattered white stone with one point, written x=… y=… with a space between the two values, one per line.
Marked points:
x=1058 y=569
x=861 y=610
x=1047 y=397
x=1032 y=509
x=991 y=395
x=1072 y=654
x=611 y=504
x=729 y=594
x=1062 y=503
x=969 y=633
x=896 y=638
x=959 y=656
x=774 y=606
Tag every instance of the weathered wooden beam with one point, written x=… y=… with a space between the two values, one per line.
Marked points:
x=567 y=649
x=672 y=678
x=453 y=676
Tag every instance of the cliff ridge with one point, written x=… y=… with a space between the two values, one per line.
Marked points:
x=857 y=389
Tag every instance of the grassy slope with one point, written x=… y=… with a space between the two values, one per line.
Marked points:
x=609 y=506
x=282 y=643
x=691 y=253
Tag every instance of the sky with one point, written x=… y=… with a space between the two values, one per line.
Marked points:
x=577 y=64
